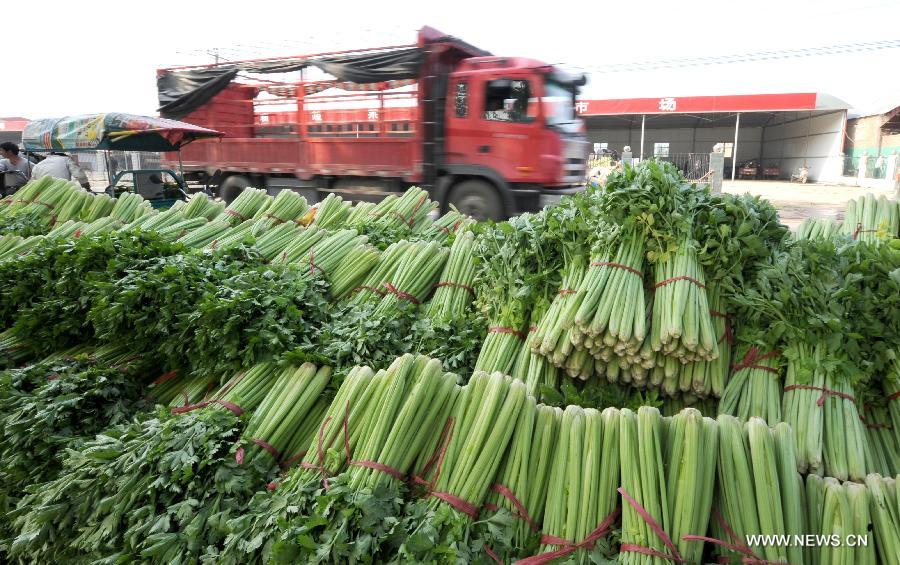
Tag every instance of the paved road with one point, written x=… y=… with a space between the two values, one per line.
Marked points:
x=796 y=202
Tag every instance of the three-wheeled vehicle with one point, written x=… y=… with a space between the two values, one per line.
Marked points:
x=122 y=132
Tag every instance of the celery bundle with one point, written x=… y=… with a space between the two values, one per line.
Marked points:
x=884 y=507
x=611 y=316
x=882 y=451
x=414 y=278
x=332 y=212
x=459 y=473
x=704 y=377
x=524 y=480
x=755 y=387
x=872 y=220
x=285 y=208
x=275 y=240
x=282 y=411
x=536 y=370
x=682 y=326
x=552 y=337
x=352 y=270
x=759 y=490
x=581 y=498
x=454 y=292
x=821 y=409
x=817 y=228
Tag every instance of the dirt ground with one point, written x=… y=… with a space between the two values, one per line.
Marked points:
x=796 y=202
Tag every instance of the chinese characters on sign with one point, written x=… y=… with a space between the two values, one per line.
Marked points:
x=373 y=114
x=581 y=106
x=667 y=105
x=317 y=116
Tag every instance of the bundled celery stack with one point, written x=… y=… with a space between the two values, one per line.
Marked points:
x=606 y=325
x=708 y=378
x=667 y=468
x=454 y=292
x=524 y=480
x=396 y=413
x=581 y=497
x=755 y=386
x=884 y=504
x=281 y=414
x=330 y=213
x=817 y=228
x=552 y=337
x=842 y=515
x=458 y=473
x=409 y=210
x=872 y=220
x=287 y=207
x=414 y=277
x=507 y=257
x=246 y=206
x=759 y=491
x=538 y=372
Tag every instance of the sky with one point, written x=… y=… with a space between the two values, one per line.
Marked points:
x=100 y=56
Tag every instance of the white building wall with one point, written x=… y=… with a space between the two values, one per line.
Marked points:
x=815 y=141
x=682 y=140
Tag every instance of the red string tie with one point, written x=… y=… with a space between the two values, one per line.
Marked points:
x=617 y=266
x=657 y=529
x=505 y=330
x=437 y=460
x=568 y=547
x=236 y=214
x=679 y=278
x=826 y=392
x=400 y=294
x=752 y=359
x=466 y=288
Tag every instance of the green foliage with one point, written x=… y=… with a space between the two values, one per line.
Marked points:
x=49 y=408
x=159 y=488
x=46 y=294
x=210 y=313
x=23 y=225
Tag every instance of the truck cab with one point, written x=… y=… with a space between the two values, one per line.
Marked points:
x=513 y=139
x=492 y=136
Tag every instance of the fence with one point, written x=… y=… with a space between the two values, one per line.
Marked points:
x=94 y=164
x=876 y=167
x=694 y=165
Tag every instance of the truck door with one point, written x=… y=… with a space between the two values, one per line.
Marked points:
x=495 y=123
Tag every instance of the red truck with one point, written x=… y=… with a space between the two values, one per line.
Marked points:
x=493 y=136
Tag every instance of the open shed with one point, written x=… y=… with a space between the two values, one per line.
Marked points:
x=773 y=135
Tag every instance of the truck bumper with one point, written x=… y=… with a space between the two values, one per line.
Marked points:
x=535 y=199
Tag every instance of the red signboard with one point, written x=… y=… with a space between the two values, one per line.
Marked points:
x=699 y=104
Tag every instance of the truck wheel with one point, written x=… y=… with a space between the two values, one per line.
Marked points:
x=478 y=199
x=232 y=186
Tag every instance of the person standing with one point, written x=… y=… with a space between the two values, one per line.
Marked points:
x=16 y=169
x=60 y=166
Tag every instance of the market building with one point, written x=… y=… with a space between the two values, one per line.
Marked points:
x=763 y=135
x=873 y=139
x=11 y=129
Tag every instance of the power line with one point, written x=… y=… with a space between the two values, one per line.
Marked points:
x=752 y=57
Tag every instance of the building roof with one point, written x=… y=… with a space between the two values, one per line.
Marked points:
x=784 y=102
x=13 y=124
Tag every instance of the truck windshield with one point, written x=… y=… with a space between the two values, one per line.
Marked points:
x=559 y=103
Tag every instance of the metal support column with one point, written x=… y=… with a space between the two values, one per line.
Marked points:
x=643 y=122
x=737 y=126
